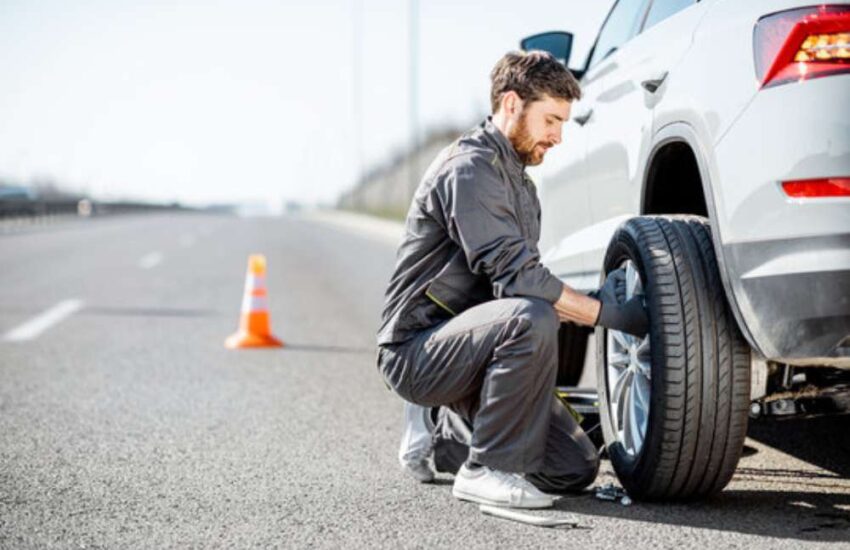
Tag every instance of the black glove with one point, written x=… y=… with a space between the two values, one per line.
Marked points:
x=613 y=290
x=627 y=317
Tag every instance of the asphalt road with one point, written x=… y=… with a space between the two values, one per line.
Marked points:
x=125 y=423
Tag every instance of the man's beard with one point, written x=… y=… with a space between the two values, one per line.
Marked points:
x=530 y=152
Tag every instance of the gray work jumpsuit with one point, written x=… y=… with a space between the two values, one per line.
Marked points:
x=469 y=321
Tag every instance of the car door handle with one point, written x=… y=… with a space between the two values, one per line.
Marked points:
x=583 y=116
x=654 y=82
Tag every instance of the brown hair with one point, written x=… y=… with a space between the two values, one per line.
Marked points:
x=532 y=75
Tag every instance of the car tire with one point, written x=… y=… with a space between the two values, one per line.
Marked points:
x=688 y=381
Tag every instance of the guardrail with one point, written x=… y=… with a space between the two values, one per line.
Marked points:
x=19 y=214
x=19 y=208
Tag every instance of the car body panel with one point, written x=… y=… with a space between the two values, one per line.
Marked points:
x=789 y=259
x=622 y=133
x=564 y=197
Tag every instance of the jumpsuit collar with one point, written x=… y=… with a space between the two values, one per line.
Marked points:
x=504 y=147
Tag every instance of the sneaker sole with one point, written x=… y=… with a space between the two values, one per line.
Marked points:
x=421 y=479
x=424 y=477
x=480 y=500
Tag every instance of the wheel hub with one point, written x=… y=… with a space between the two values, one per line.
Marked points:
x=628 y=373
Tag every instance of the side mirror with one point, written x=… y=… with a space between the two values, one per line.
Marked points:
x=558 y=43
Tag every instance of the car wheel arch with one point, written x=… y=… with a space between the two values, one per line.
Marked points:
x=683 y=133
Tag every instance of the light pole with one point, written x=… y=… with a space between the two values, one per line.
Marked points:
x=357 y=87
x=414 y=93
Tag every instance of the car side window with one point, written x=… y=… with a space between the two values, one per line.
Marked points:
x=621 y=25
x=662 y=9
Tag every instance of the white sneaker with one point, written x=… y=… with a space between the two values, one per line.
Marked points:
x=488 y=486
x=419 y=469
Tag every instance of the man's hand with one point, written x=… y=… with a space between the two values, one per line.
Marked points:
x=577 y=307
x=603 y=307
x=627 y=317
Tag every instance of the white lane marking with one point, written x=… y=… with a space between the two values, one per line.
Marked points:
x=187 y=240
x=43 y=321
x=150 y=260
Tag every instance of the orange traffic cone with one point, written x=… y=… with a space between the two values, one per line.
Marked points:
x=254 y=325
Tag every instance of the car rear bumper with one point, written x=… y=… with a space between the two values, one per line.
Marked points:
x=787 y=260
x=794 y=296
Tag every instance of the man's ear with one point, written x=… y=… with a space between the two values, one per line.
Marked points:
x=511 y=103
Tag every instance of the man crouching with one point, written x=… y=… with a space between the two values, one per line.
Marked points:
x=471 y=316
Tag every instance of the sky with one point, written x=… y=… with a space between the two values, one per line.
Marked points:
x=223 y=101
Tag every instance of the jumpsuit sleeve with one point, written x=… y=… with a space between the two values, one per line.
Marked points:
x=482 y=220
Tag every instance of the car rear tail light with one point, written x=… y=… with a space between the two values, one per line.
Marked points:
x=802 y=44
x=825 y=187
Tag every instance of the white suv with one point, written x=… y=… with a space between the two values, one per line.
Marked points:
x=710 y=157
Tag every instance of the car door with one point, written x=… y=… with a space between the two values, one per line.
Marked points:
x=636 y=63
x=572 y=173
x=564 y=196
x=564 y=176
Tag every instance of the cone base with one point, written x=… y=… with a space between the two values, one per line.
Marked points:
x=246 y=340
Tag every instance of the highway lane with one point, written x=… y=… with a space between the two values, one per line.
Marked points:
x=127 y=424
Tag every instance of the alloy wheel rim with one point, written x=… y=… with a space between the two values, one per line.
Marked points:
x=629 y=376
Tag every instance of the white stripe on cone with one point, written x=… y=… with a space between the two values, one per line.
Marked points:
x=255 y=282
x=254 y=303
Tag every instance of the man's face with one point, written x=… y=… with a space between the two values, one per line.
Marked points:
x=538 y=127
